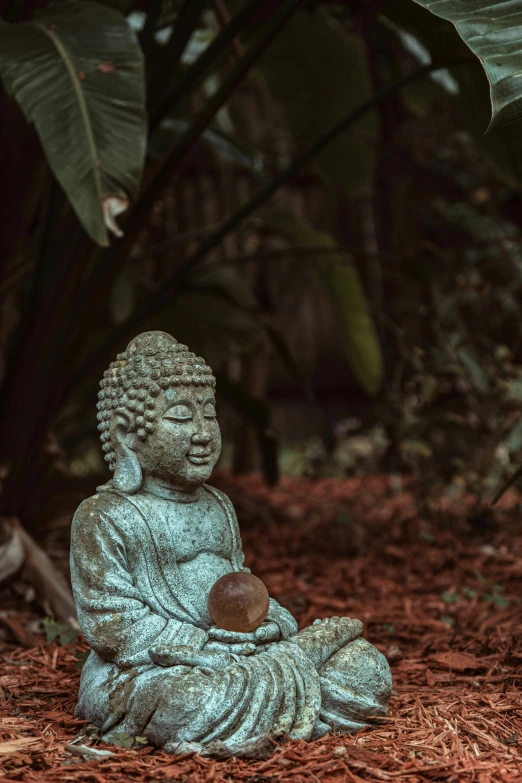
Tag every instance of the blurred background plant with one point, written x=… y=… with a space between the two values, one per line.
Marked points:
x=308 y=197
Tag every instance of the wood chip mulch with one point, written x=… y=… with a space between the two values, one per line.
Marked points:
x=438 y=591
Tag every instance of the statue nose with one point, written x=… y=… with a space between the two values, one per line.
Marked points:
x=201 y=437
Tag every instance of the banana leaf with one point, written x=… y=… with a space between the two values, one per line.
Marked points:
x=340 y=278
x=492 y=30
x=77 y=72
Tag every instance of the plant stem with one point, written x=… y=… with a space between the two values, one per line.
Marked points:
x=149 y=28
x=192 y=134
x=223 y=17
x=36 y=425
x=109 y=259
x=186 y=22
x=163 y=296
x=208 y=58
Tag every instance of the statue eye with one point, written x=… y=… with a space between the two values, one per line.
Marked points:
x=209 y=411
x=179 y=413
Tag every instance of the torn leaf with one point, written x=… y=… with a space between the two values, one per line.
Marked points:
x=112 y=207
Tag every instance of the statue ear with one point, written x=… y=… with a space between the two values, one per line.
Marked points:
x=127 y=473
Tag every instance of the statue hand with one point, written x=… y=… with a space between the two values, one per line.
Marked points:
x=243 y=648
x=283 y=618
x=184 y=655
x=267 y=632
x=167 y=655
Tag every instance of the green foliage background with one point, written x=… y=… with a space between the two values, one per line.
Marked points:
x=303 y=192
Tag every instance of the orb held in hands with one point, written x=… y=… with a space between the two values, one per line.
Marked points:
x=238 y=602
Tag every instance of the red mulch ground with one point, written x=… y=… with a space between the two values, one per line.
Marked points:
x=424 y=585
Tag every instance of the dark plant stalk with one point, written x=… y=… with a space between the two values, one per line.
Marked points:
x=149 y=28
x=36 y=425
x=46 y=267
x=509 y=483
x=163 y=296
x=205 y=61
x=223 y=17
x=110 y=259
x=186 y=22
x=216 y=102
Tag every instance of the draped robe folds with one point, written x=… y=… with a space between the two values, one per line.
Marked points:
x=130 y=597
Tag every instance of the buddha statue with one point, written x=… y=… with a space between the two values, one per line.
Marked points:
x=146 y=551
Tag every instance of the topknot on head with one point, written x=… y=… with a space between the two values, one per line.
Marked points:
x=151 y=343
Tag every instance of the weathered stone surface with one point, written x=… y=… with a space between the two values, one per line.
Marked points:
x=146 y=551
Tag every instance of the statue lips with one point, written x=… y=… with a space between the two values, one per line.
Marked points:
x=200 y=458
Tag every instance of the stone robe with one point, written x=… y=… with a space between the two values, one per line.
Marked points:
x=131 y=595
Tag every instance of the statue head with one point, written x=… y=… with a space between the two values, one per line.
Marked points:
x=157 y=415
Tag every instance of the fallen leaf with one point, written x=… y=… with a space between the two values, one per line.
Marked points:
x=61 y=632
x=8 y=681
x=81 y=658
x=88 y=753
x=10 y=721
x=456 y=661
x=122 y=739
x=24 y=743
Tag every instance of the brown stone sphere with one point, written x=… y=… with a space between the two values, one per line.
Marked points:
x=238 y=602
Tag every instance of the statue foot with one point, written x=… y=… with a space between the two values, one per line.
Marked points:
x=325 y=637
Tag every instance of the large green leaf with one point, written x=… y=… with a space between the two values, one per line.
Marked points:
x=341 y=280
x=493 y=31
x=77 y=72
x=319 y=74
x=472 y=103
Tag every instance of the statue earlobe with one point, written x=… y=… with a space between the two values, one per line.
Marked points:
x=127 y=473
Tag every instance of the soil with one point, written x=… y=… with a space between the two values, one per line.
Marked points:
x=437 y=586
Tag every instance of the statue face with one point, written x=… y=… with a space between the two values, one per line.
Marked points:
x=186 y=441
